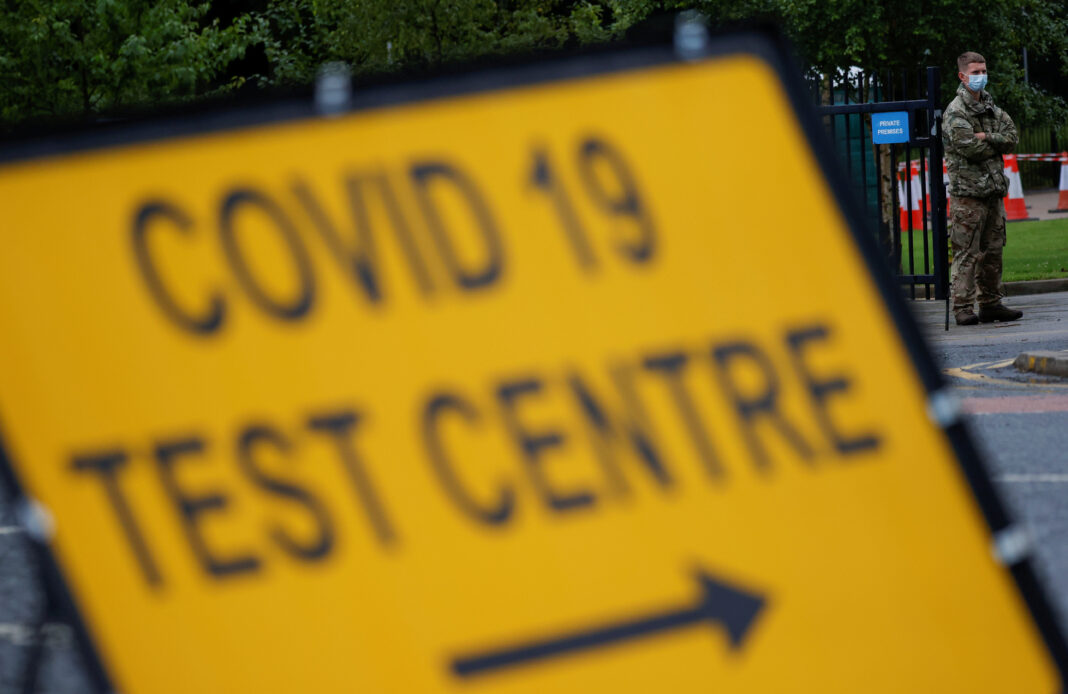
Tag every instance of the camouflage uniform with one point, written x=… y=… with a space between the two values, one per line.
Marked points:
x=977 y=184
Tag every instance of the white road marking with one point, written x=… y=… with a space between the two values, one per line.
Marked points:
x=1042 y=478
x=53 y=634
x=9 y=529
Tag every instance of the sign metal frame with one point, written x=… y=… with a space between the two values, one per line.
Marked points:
x=767 y=46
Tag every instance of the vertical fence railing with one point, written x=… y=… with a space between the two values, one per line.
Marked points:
x=900 y=185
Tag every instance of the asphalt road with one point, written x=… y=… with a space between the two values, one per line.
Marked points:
x=1020 y=422
x=1018 y=419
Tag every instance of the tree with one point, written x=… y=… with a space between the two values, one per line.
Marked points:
x=294 y=37
x=834 y=35
x=416 y=34
x=75 y=59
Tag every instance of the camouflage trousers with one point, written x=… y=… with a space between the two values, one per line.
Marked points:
x=977 y=234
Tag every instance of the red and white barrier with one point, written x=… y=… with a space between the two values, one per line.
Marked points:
x=1041 y=157
x=915 y=204
x=945 y=184
x=921 y=203
x=1015 y=207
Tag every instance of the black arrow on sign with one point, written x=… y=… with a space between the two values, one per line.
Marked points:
x=718 y=603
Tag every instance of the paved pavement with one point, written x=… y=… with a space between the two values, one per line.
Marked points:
x=1040 y=202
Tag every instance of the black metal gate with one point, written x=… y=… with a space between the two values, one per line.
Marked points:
x=901 y=185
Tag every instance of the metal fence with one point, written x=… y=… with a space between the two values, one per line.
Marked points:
x=1042 y=140
x=901 y=185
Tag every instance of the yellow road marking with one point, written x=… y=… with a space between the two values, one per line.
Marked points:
x=967 y=373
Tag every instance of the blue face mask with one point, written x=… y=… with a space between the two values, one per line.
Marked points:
x=976 y=82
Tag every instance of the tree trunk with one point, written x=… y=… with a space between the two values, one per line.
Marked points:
x=887 y=209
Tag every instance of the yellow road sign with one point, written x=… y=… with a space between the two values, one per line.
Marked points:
x=545 y=387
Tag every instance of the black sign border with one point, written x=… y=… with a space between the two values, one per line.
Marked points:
x=765 y=43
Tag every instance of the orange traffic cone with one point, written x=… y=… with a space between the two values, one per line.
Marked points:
x=1015 y=208
x=1062 y=196
x=903 y=202
x=945 y=185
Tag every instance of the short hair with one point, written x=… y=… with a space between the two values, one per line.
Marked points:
x=968 y=57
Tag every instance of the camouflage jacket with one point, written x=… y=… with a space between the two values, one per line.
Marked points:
x=974 y=166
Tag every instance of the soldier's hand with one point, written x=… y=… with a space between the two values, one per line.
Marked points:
x=980 y=136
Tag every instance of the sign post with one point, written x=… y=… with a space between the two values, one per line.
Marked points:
x=506 y=389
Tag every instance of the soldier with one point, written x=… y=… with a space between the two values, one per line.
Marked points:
x=976 y=133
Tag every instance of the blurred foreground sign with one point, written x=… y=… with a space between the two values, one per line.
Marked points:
x=545 y=387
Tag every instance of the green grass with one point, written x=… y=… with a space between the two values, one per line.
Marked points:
x=1035 y=251
x=917 y=252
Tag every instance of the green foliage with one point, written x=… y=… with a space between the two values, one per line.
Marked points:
x=72 y=58
x=833 y=35
x=385 y=35
x=84 y=58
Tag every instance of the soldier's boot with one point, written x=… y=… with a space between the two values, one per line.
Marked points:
x=966 y=317
x=998 y=311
